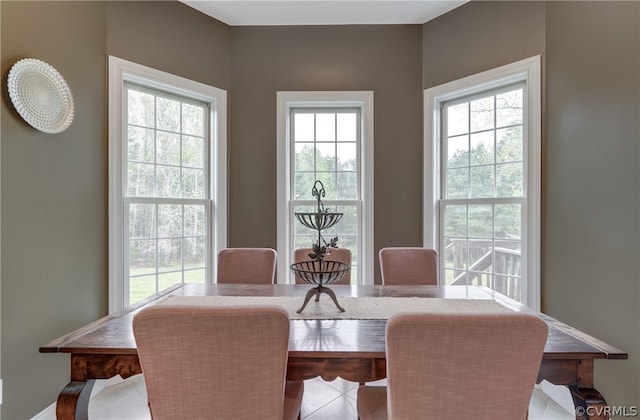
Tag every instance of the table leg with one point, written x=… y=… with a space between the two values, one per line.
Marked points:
x=73 y=401
x=589 y=404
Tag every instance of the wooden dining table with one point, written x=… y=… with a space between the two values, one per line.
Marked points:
x=353 y=349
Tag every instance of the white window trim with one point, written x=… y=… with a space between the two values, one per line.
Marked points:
x=359 y=99
x=120 y=71
x=529 y=70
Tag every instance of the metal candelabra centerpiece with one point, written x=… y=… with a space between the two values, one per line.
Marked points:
x=317 y=270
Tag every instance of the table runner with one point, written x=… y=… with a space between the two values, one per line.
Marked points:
x=355 y=307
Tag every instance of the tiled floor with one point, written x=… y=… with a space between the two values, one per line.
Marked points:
x=322 y=400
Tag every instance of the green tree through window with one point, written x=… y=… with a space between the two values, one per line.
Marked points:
x=326 y=147
x=166 y=196
x=483 y=191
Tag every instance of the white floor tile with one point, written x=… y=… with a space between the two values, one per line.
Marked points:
x=124 y=401
x=317 y=394
x=342 y=385
x=551 y=402
x=343 y=408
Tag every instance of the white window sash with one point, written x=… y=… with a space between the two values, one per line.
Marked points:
x=362 y=100
x=524 y=70
x=121 y=71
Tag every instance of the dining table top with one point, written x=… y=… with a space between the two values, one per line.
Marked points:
x=327 y=338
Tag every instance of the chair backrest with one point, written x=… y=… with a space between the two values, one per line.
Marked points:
x=408 y=265
x=461 y=366
x=213 y=362
x=339 y=254
x=247 y=265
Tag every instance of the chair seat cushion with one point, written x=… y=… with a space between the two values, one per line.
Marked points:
x=372 y=402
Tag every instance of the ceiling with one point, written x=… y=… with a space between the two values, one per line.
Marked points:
x=328 y=12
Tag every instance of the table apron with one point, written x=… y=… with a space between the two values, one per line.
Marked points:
x=103 y=366
x=570 y=372
x=360 y=370
x=578 y=372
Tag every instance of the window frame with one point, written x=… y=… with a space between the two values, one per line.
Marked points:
x=286 y=100
x=529 y=71
x=121 y=72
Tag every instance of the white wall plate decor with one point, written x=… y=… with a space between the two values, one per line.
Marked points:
x=40 y=95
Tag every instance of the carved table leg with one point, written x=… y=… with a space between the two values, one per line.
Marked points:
x=73 y=401
x=589 y=403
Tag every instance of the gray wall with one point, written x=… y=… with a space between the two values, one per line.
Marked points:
x=480 y=36
x=591 y=273
x=54 y=215
x=171 y=37
x=53 y=202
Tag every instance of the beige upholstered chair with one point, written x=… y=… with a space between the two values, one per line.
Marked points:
x=206 y=362
x=247 y=265
x=408 y=265
x=339 y=254
x=451 y=366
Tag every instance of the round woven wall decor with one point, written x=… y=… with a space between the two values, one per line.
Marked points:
x=40 y=95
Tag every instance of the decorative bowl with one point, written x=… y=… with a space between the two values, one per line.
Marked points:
x=320 y=273
x=318 y=220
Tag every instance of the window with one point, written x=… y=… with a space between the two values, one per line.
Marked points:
x=482 y=196
x=165 y=135
x=326 y=136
